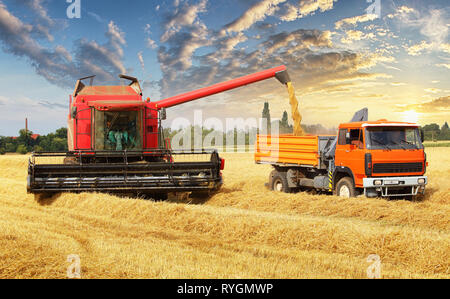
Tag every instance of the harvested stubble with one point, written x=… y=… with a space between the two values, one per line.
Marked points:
x=243 y=232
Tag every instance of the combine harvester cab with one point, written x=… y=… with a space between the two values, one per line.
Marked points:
x=116 y=144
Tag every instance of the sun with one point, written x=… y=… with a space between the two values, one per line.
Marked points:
x=411 y=116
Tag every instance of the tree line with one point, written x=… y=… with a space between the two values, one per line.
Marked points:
x=433 y=132
x=25 y=143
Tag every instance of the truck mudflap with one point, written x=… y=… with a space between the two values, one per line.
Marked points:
x=123 y=172
x=394 y=186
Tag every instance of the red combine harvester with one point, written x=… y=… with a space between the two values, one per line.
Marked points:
x=116 y=144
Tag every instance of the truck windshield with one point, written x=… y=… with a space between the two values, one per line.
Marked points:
x=117 y=131
x=393 y=138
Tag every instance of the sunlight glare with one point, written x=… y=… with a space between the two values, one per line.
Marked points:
x=411 y=116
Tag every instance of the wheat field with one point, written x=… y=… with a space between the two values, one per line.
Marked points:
x=245 y=231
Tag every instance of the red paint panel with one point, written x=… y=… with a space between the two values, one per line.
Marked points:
x=84 y=114
x=151 y=129
x=83 y=130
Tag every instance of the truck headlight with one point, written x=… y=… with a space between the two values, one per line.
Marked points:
x=378 y=182
x=421 y=181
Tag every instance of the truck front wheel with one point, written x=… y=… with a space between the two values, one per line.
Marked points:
x=345 y=188
x=279 y=182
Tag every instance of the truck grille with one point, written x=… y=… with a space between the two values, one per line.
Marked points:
x=397 y=167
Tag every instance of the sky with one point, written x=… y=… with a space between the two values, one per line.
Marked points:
x=391 y=56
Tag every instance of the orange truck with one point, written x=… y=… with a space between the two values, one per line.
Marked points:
x=371 y=158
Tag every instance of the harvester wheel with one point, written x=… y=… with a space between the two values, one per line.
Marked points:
x=345 y=188
x=280 y=182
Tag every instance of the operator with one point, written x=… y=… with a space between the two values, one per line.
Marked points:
x=112 y=136
x=119 y=137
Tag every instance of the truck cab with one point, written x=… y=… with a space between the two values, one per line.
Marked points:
x=381 y=158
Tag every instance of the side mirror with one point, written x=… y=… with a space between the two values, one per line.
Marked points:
x=73 y=113
x=163 y=114
x=422 y=135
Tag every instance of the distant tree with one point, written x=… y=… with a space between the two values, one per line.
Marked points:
x=10 y=147
x=284 y=119
x=266 y=117
x=285 y=128
x=24 y=137
x=58 y=145
x=22 y=149
x=432 y=127
x=432 y=131
x=38 y=148
x=445 y=132
x=61 y=133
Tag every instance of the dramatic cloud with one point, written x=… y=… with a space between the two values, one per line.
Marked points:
x=432 y=25
x=57 y=65
x=432 y=90
x=43 y=23
x=446 y=65
x=398 y=83
x=356 y=35
x=258 y=12
x=445 y=47
x=36 y=5
x=419 y=48
x=307 y=53
x=298 y=40
x=183 y=16
x=440 y=105
x=355 y=20
x=305 y=8
x=149 y=41
x=401 y=12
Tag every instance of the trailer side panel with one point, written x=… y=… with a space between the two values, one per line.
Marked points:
x=287 y=149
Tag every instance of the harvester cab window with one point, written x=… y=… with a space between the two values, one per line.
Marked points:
x=118 y=130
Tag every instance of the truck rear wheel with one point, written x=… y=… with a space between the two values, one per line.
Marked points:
x=345 y=188
x=279 y=182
